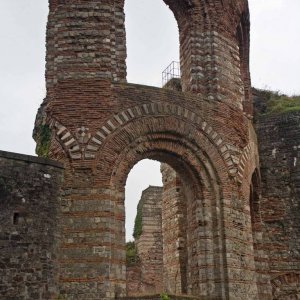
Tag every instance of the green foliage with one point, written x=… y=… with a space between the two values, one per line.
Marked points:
x=44 y=138
x=280 y=103
x=137 y=230
x=131 y=254
x=164 y=296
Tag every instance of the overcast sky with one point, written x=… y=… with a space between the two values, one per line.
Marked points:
x=152 y=42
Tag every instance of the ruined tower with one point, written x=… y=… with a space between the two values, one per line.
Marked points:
x=99 y=126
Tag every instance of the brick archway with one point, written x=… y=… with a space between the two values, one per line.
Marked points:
x=152 y=138
x=99 y=126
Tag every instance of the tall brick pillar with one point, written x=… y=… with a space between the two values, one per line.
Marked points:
x=213 y=53
x=86 y=52
x=85 y=39
x=174 y=232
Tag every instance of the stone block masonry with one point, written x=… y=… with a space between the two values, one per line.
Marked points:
x=99 y=127
x=174 y=232
x=279 y=150
x=229 y=231
x=29 y=218
x=228 y=221
x=149 y=246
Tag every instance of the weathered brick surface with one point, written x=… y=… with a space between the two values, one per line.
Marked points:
x=174 y=232
x=30 y=210
x=230 y=224
x=149 y=245
x=101 y=126
x=133 y=279
x=158 y=297
x=279 y=137
x=214 y=48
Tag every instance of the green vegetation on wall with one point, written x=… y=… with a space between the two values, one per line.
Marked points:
x=164 y=296
x=131 y=254
x=44 y=138
x=279 y=103
x=137 y=230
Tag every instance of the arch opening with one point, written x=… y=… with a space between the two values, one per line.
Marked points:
x=161 y=231
x=190 y=231
x=156 y=261
x=144 y=174
x=150 y=44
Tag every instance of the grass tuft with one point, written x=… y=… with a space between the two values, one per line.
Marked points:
x=280 y=103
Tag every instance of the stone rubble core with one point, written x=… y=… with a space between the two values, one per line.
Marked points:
x=234 y=224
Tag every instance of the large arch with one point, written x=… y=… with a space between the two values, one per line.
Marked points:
x=101 y=126
x=200 y=178
x=178 y=136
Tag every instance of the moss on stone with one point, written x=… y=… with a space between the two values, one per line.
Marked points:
x=44 y=138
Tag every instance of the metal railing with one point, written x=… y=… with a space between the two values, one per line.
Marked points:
x=171 y=71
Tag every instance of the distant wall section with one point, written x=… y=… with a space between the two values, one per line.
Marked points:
x=149 y=246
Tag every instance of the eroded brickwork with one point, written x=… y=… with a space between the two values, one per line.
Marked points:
x=229 y=223
x=279 y=207
x=213 y=52
x=101 y=126
x=30 y=210
x=149 y=245
x=174 y=233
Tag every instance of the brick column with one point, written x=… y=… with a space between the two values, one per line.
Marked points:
x=210 y=56
x=85 y=39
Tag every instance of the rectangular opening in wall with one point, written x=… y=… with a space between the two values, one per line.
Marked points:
x=16 y=218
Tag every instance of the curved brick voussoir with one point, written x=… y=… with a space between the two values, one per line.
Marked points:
x=248 y=161
x=165 y=138
x=67 y=140
x=228 y=152
x=244 y=158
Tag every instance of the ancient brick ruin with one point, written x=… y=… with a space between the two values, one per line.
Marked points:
x=276 y=199
x=145 y=276
x=229 y=220
x=161 y=244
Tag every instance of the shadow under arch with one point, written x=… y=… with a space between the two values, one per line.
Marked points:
x=188 y=156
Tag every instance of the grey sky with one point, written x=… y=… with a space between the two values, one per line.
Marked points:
x=152 y=44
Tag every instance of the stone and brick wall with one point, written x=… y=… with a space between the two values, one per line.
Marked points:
x=161 y=245
x=279 y=150
x=211 y=63
x=159 y=297
x=174 y=232
x=149 y=245
x=29 y=218
x=100 y=127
